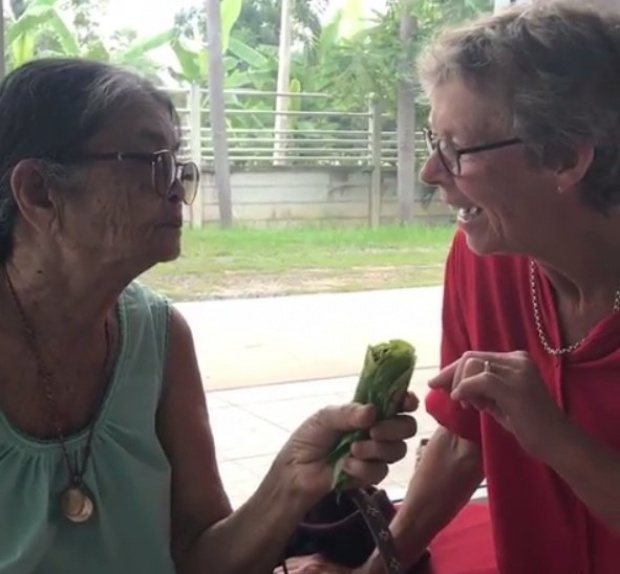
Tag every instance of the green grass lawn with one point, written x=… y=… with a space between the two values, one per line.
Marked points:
x=253 y=262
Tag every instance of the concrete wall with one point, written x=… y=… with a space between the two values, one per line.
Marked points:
x=323 y=196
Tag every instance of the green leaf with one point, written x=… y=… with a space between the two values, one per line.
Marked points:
x=230 y=12
x=64 y=34
x=28 y=23
x=247 y=54
x=190 y=67
x=97 y=51
x=138 y=49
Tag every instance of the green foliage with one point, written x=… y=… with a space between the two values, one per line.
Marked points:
x=376 y=59
x=51 y=28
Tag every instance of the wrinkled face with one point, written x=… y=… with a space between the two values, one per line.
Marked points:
x=498 y=193
x=116 y=214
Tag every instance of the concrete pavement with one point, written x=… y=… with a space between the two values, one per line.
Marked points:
x=269 y=363
x=250 y=342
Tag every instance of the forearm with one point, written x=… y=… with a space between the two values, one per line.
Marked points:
x=591 y=469
x=252 y=539
x=447 y=476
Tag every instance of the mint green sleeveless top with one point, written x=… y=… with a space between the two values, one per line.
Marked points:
x=128 y=472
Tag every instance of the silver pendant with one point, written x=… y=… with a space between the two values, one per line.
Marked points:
x=77 y=505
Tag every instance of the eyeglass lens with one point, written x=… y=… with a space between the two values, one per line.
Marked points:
x=167 y=171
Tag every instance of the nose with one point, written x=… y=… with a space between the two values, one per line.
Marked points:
x=177 y=192
x=434 y=172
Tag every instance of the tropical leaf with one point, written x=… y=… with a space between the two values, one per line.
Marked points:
x=230 y=11
x=65 y=36
x=247 y=54
x=97 y=51
x=190 y=67
x=139 y=48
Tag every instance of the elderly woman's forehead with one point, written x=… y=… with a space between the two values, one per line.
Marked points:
x=146 y=130
x=457 y=109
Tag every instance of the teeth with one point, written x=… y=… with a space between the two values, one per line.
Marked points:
x=468 y=213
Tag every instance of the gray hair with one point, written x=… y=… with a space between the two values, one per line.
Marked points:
x=50 y=108
x=556 y=65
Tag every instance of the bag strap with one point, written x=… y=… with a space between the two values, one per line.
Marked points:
x=379 y=529
x=377 y=524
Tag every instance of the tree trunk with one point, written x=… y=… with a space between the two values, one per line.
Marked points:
x=281 y=121
x=217 y=108
x=405 y=120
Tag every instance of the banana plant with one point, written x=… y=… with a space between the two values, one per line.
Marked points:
x=191 y=53
x=43 y=30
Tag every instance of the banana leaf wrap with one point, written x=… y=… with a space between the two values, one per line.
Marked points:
x=383 y=382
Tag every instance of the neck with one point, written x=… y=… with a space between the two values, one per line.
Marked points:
x=582 y=262
x=63 y=295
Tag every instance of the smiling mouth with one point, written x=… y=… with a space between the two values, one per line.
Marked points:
x=466 y=214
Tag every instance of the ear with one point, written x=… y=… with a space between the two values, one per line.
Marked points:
x=32 y=190
x=573 y=169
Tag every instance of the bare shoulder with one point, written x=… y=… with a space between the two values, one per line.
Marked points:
x=198 y=497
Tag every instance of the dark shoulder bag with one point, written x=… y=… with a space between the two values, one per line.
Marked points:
x=346 y=528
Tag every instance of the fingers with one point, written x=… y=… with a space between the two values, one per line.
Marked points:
x=348 y=417
x=410 y=403
x=443 y=379
x=371 y=450
x=365 y=471
x=401 y=427
x=472 y=363
x=478 y=389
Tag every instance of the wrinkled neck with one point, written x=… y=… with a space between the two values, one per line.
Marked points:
x=61 y=293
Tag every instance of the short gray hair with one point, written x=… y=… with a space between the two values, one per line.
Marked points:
x=50 y=108
x=556 y=65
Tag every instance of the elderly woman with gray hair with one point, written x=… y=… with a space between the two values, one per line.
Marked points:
x=524 y=143
x=107 y=461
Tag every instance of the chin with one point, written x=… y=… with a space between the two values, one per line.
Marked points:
x=170 y=254
x=486 y=245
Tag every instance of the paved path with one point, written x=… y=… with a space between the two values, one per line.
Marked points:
x=269 y=363
x=250 y=342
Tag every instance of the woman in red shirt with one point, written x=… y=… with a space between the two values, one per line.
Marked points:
x=524 y=144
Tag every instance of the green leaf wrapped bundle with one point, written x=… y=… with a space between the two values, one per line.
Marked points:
x=383 y=382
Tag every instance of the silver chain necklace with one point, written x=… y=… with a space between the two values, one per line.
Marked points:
x=538 y=319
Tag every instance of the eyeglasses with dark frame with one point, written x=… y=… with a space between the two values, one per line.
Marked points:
x=450 y=155
x=165 y=170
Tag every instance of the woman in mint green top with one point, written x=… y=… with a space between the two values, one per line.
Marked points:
x=107 y=460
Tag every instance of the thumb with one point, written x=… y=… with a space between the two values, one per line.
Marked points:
x=444 y=379
x=352 y=416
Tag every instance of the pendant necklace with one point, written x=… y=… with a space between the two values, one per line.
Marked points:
x=76 y=501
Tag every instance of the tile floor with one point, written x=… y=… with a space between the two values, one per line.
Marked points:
x=251 y=424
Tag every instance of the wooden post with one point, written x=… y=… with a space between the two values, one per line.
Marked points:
x=195 y=146
x=375 y=129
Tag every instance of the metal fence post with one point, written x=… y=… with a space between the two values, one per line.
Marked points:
x=195 y=147
x=375 y=129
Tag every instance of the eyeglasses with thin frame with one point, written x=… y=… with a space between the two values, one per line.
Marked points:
x=450 y=155
x=165 y=170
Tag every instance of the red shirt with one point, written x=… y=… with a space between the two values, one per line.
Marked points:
x=539 y=525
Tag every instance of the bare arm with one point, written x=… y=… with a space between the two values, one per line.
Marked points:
x=447 y=476
x=206 y=535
